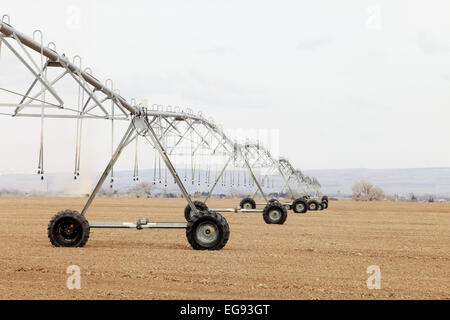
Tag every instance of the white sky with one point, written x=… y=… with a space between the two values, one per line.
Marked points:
x=349 y=84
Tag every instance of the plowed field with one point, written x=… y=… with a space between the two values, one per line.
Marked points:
x=319 y=255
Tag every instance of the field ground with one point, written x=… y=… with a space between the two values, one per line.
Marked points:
x=320 y=255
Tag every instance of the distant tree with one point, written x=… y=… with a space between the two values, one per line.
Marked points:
x=107 y=193
x=10 y=193
x=197 y=194
x=171 y=195
x=235 y=193
x=361 y=190
x=366 y=191
x=376 y=194
x=141 y=190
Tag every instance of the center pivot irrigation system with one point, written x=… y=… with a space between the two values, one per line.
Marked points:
x=304 y=191
x=59 y=88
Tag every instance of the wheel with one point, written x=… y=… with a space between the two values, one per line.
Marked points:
x=198 y=204
x=273 y=200
x=68 y=229
x=275 y=213
x=325 y=198
x=325 y=204
x=207 y=231
x=248 y=203
x=313 y=205
x=320 y=207
x=300 y=206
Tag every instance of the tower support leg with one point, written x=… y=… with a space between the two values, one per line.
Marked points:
x=125 y=141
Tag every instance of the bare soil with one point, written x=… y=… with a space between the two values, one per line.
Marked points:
x=320 y=255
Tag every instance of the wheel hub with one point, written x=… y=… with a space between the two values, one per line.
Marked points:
x=68 y=230
x=207 y=233
x=247 y=205
x=275 y=215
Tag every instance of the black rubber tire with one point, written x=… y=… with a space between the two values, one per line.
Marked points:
x=321 y=207
x=273 y=200
x=275 y=206
x=297 y=202
x=248 y=200
x=199 y=205
x=68 y=228
x=313 y=205
x=325 y=198
x=217 y=220
x=325 y=204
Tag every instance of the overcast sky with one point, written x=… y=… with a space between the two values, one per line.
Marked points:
x=348 y=84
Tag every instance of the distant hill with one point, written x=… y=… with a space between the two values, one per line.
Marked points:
x=434 y=181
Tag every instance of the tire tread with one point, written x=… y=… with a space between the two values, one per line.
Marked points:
x=216 y=218
x=69 y=214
